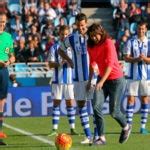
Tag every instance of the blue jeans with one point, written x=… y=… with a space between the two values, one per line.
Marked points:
x=113 y=89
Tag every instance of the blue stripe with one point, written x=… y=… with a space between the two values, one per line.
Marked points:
x=131 y=70
x=140 y=70
x=148 y=52
x=55 y=121
x=55 y=115
x=70 y=109
x=70 y=115
x=145 y=106
x=71 y=121
x=83 y=110
x=85 y=68
x=148 y=55
x=56 y=69
x=130 y=106
x=71 y=40
x=65 y=73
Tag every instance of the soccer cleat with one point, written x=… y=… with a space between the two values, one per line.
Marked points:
x=99 y=142
x=73 y=132
x=144 y=131
x=87 y=141
x=95 y=138
x=54 y=132
x=2 y=135
x=125 y=135
x=2 y=143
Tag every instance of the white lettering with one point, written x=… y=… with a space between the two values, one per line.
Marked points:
x=46 y=103
x=23 y=107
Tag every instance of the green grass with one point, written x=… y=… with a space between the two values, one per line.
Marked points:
x=41 y=126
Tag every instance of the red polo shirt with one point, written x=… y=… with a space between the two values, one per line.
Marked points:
x=105 y=55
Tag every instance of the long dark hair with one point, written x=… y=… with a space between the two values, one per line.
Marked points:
x=96 y=28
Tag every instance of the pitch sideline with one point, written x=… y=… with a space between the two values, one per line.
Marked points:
x=29 y=134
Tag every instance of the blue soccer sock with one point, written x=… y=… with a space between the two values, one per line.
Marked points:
x=129 y=113
x=56 y=116
x=144 y=115
x=85 y=121
x=71 y=116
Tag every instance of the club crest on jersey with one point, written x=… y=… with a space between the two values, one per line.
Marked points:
x=69 y=49
x=7 y=50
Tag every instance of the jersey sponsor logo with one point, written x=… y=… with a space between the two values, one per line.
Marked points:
x=7 y=50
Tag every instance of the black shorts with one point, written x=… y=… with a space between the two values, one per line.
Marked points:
x=4 y=79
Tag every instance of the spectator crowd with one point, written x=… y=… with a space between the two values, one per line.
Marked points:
x=34 y=25
x=126 y=17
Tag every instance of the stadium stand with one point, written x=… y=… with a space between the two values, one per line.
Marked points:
x=38 y=69
x=30 y=25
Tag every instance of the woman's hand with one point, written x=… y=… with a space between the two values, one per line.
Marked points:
x=99 y=85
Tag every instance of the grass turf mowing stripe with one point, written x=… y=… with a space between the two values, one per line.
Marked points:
x=29 y=134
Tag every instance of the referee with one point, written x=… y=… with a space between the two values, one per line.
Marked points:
x=6 y=58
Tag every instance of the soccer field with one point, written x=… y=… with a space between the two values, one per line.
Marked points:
x=31 y=134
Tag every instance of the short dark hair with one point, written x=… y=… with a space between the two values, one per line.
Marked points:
x=141 y=23
x=80 y=17
x=63 y=28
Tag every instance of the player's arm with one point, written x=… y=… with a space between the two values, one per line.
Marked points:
x=129 y=58
x=11 y=54
x=11 y=60
x=145 y=59
x=65 y=57
x=91 y=72
x=53 y=64
x=62 y=51
x=127 y=53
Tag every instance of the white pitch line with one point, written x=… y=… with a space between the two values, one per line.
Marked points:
x=29 y=134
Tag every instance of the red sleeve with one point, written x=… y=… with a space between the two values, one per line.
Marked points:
x=110 y=51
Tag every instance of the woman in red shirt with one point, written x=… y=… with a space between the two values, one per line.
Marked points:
x=110 y=81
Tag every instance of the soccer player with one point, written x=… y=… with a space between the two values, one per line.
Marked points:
x=6 y=58
x=110 y=81
x=62 y=83
x=138 y=55
x=80 y=62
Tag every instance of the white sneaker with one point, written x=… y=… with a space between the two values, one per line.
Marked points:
x=86 y=141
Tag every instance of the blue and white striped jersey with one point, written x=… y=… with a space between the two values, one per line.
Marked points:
x=135 y=47
x=78 y=44
x=63 y=74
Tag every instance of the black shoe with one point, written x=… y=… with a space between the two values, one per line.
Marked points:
x=2 y=143
x=124 y=135
x=73 y=132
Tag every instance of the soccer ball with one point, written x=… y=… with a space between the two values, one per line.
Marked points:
x=63 y=141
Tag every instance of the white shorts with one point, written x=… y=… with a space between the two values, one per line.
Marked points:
x=80 y=91
x=60 y=91
x=138 y=87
